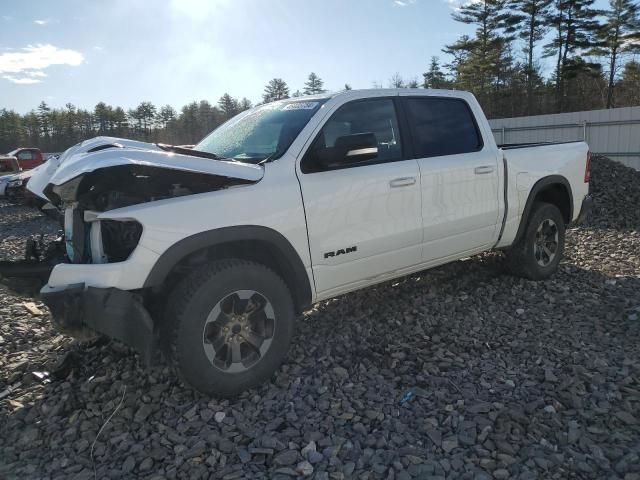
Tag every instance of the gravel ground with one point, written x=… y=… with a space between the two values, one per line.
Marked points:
x=458 y=372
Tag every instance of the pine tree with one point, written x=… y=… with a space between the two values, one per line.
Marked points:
x=166 y=114
x=146 y=114
x=276 y=89
x=101 y=114
x=32 y=126
x=630 y=84
x=11 y=130
x=245 y=104
x=120 y=120
x=478 y=58
x=313 y=85
x=208 y=118
x=618 y=35
x=134 y=115
x=43 y=119
x=228 y=105
x=188 y=123
x=529 y=19
x=70 y=135
x=347 y=86
x=575 y=23
x=434 y=77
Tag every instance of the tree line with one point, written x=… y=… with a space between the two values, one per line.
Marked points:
x=593 y=53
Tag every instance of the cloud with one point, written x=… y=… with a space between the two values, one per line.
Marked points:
x=25 y=67
x=27 y=77
x=21 y=80
x=403 y=3
x=44 y=21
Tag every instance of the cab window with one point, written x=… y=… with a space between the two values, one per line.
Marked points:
x=356 y=121
x=442 y=126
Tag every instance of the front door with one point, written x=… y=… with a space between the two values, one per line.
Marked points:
x=363 y=219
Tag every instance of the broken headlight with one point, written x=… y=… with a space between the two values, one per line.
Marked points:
x=113 y=240
x=119 y=238
x=89 y=239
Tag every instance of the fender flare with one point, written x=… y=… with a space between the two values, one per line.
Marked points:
x=293 y=265
x=537 y=188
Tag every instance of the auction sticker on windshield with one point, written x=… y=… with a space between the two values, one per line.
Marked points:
x=300 y=106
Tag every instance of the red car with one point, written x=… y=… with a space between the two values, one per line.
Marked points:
x=28 y=158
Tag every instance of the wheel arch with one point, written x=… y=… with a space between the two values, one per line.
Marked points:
x=251 y=242
x=554 y=189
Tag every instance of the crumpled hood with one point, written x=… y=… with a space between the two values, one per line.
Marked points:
x=110 y=152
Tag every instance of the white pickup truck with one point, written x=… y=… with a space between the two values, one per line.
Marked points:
x=210 y=252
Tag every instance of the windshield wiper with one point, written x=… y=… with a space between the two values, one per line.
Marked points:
x=190 y=151
x=272 y=157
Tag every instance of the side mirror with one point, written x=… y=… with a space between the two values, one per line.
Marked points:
x=348 y=150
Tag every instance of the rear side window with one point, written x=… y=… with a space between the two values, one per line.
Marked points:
x=442 y=126
x=25 y=155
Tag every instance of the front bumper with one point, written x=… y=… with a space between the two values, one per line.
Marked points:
x=585 y=209
x=118 y=314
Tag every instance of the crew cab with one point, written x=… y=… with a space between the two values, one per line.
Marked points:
x=207 y=254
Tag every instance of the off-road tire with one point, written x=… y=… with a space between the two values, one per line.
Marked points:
x=190 y=305
x=521 y=257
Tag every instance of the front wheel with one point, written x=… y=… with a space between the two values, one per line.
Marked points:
x=230 y=324
x=538 y=252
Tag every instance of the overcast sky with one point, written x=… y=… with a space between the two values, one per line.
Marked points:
x=175 y=51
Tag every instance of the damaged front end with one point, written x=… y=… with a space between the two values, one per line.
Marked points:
x=90 y=236
x=86 y=188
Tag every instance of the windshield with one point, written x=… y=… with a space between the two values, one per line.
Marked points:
x=262 y=132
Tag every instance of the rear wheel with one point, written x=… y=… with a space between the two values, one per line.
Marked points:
x=538 y=252
x=230 y=326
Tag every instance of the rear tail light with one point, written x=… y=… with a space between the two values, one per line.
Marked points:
x=587 y=168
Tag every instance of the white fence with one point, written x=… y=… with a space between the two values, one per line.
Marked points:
x=614 y=133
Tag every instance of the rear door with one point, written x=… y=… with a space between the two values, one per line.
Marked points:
x=363 y=220
x=459 y=177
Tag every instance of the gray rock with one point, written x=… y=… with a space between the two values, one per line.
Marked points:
x=501 y=474
x=626 y=417
x=285 y=458
x=304 y=468
x=435 y=435
x=244 y=455
x=129 y=464
x=143 y=413
x=310 y=447
x=314 y=457
x=146 y=465
x=341 y=372
x=449 y=443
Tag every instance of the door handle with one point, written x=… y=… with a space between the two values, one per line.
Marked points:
x=402 y=182
x=483 y=169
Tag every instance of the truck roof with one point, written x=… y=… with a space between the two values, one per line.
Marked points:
x=378 y=91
